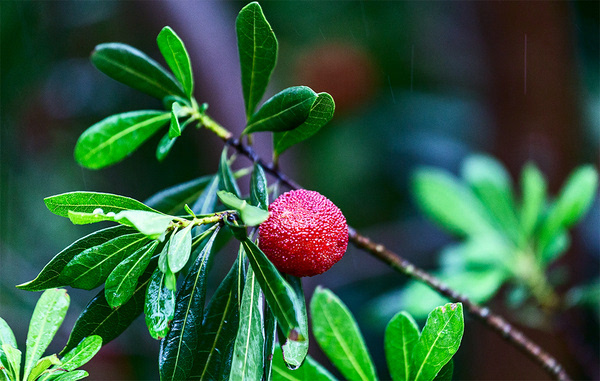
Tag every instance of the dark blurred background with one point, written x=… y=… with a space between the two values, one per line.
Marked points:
x=415 y=83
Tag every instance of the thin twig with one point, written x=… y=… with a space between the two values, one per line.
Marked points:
x=496 y=322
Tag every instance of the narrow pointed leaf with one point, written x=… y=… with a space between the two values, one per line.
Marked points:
x=159 y=308
x=226 y=179
x=82 y=353
x=257 y=47
x=112 y=139
x=439 y=341
x=181 y=343
x=98 y=318
x=72 y=376
x=88 y=202
x=270 y=344
x=180 y=248
x=175 y=127
x=133 y=68
x=533 y=190
x=247 y=361
x=42 y=364
x=309 y=370
x=172 y=200
x=401 y=335
x=164 y=146
x=338 y=335
x=259 y=193
x=284 y=111
x=174 y=52
x=250 y=215
x=48 y=315
x=122 y=281
x=320 y=114
x=284 y=303
x=91 y=267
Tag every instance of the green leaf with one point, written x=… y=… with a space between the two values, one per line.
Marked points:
x=259 y=192
x=284 y=303
x=573 y=202
x=439 y=341
x=206 y=202
x=247 y=361
x=98 y=318
x=401 y=335
x=159 y=308
x=320 y=114
x=181 y=343
x=290 y=348
x=174 y=127
x=219 y=330
x=257 y=47
x=446 y=373
x=270 y=344
x=172 y=200
x=492 y=184
x=13 y=358
x=151 y=224
x=122 y=281
x=557 y=246
x=533 y=189
x=338 y=335
x=250 y=215
x=6 y=337
x=82 y=353
x=91 y=267
x=72 y=376
x=180 y=248
x=48 y=315
x=89 y=202
x=449 y=203
x=284 y=111
x=42 y=364
x=177 y=58
x=133 y=68
x=226 y=179
x=112 y=139
x=309 y=370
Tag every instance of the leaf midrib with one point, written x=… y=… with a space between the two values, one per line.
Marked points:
x=431 y=347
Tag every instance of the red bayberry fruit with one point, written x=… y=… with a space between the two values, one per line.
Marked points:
x=305 y=233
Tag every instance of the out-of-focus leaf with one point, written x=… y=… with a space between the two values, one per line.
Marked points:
x=160 y=305
x=284 y=111
x=338 y=335
x=309 y=370
x=247 y=361
x=284 y=303
x=112 y=139
x=250 y=215
x=122 y=281
x=175 y=127
x=320 y=114
x=47 y=317
x=449 y=203
x=42 y=364
x=98 y=318
x=180 y=248
x=133 y=68
x=82 y=353
x=259 y=194
x=439 y=341
x=89 y=202
x=533 y=189
x=91 y=267
x=257 y=47
x=401 y=335
x=557 y=246
x=226 y=179
x=219 y=330
x=181 y=343
x=207 y=200
x=172 y=200
x=585 y=295
x=174 y=52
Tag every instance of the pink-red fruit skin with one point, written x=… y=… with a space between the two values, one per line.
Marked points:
x=305 y=233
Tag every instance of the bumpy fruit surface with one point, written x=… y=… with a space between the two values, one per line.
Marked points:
x=305 y=233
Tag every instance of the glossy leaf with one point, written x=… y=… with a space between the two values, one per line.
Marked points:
x=401 y=335
x=219 y=330
x=13 y=358
x=133 y=68
x=47 y=317
x=284 y=111
x=439 y=341
x=6 y=337
x=270 y=343
x=445 y=374
x=159 y=308
x=226 y=179
x=180 y=248
x=247 y=361
x=43 y=364
x=175 y=127
x=282 y=300
x=122 y=281
x=82 y=353
x=533 y=191
x=449 y=203
x=72 y=376
x=151 y=224
x=206 y=202
x=338 y=335
x=309 y=370
x=250 y=215
x=89 y=202
x=172 y=200
x=98 y=318
x=181 y=343
x=112 y=139
x=259 y=192
x=91 y=267
x=319 y=115
x=257 y=47
x=164 y=146
x=174 y=52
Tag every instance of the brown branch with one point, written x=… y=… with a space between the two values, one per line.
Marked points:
x=496 y=322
